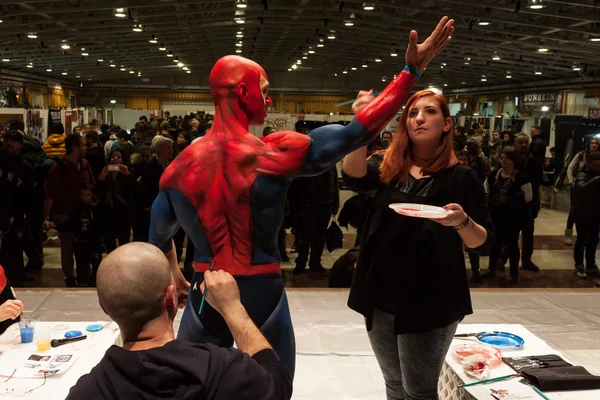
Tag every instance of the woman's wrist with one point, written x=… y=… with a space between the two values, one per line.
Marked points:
x=413 y=70
x=464 y=224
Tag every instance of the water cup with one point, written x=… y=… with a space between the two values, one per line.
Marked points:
x=27 y=326
x=43 y=337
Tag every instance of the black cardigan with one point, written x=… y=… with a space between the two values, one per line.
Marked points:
x=415 y=268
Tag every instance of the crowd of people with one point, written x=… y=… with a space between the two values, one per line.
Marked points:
x=94 y=186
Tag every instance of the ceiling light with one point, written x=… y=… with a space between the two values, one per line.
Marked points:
x=188 y=71
x=30 y=65
x=508 y=76
x=368 y=6
x=65 y=46
x=289 y=69
x=378 y=59
x=496 y=57
x=240 y=32
x=100 y=60
x=240 y=20
x=239 y=35
x=185 y=68
x=132 y=72
x=176 y=59
x=138 y=28
x=49 y=69
x=84 y=54
x=170 y=54
x=241 y=4
x=120 y=12
x=365 y=65
x=123 y=69
x=331 y=35
x=353 y=68
x=394 y=54
x=180 y=65
x=445 y=84
x=348 y=23
x=239 y=44
x=344 y=72
x=383 y=78
x=545 y=108
x=294 y=66
x=483 y=23
x=154 y=40
x=65 y=73
x=320 y=44
x=113 y=102
x=162 y=47
x=466 y=63
x=32 y=35
x=78 y=76
x=535 y=4
x=6 y=60
x=298 y=62
x=595 y=39
x=441 y=67
x=483 y=79
x=112 y=65
x=543 y=49
x=538 y=72
x=304 y=58
x=311 y=52
x=238 y=51
x=576 y=68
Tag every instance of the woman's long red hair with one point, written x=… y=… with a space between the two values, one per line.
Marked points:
x=397 y=160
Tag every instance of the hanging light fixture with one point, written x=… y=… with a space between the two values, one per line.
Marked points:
x=162 y=47
x=176 y=59
x=49 y=69
x=331 y=35
x=595 y=39
x=132 y=72
x=138 y=28
x=238 y=51
x=377 y=59
x=100 y=60
x=496 y=57
x=394 y=53
x=350 y=22
x=6 y=60
x=538 y=71
x=241 y=3
x=120 y=12
x=368 y=6
x=535 y=4
x=30 y=65
x=180 y=65
x=576 y=67
x=65 y=73
x=481 y=22
x=170 y=54
x=32 y=35
x=188 y=71
x=365 y=65
x=153 y=40
x=65 y=46
x=321 y=44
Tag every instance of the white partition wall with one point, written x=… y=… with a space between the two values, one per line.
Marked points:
x=127 y=118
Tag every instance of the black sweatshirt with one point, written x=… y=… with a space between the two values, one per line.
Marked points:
x=414 y=268
x=184 y=370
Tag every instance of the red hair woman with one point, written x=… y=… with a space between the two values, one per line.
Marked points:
x=410 y=281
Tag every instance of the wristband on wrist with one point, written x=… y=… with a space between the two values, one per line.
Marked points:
x=463 y=225
x=413 y=71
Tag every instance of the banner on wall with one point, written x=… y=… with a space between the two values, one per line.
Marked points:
x=54 y=117
x=35 y=128
x=594 y=113
x=71 y=120
x=536 y=100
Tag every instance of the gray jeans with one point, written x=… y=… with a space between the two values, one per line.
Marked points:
x=411 y=363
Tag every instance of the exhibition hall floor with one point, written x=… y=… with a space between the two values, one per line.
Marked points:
x=334 y=358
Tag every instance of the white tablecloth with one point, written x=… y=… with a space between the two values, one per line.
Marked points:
x=89 y=352
x=533 y=346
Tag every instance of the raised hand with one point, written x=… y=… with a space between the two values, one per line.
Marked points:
x=362 y=100
x=420 y=55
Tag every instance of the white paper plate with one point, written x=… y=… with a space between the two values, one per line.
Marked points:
x=420 y=210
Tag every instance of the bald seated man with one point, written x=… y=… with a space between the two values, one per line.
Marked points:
x=136 y=289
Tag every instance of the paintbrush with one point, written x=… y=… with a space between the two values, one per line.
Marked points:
x=212 y=263
x=491 y=380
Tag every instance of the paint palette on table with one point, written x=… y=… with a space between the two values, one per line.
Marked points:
x=420 y=210
x=500 y=340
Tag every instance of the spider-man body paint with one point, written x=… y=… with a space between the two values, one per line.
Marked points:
x=227 y=192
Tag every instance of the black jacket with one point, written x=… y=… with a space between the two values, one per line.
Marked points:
x=415 y=268
x=150 y=183
x=97 y=159
x=538 y=149
x=16 y=187
x=185 y=371
x=586 y=202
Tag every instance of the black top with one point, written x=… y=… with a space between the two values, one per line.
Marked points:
x=415 y=268
x=506 y=196
x=587 y=193
x=185 y=371
x=16 y=186
x=88 y=222
x=150 y=183
x=97 y=159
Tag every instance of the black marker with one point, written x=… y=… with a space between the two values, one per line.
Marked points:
x=60 y=342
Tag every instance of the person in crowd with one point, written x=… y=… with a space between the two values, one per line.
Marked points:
x=195 y=131
x=10 y=308
x=462 y=157
x=167 y=115
x=150 y=179
x=374 y=147
x=54 y=146
x=537 y=146
x=548 y=180
x=579 y=161
x=460 y=138
x=586 y=212
x=508 y=139
x=158 y=364
x=509 y=191
x=140 y=137
x=143 y=121
x=112 y=140
x=88 y=227
x=116 y=187
x=154 y=125
x=482 y=167
x=534 y=170
x=77 y=130
x=386 y=139
x=165 y=128
x=16 y=189
x=64 y=181
x=315 y=200
x=495 y=162
x=183 y=140
x=125 y=146
x=412 y=308
x=94 y=154
x=497 y=143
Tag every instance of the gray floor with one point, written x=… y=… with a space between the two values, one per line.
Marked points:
x=335 y=360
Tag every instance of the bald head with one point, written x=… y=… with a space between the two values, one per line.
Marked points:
x=132 y=282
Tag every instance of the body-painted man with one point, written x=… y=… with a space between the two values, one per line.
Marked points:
x=227 y=190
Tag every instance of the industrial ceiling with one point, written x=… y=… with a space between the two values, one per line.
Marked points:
x=496 y=42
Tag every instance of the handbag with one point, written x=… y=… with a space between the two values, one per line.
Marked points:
x=334 y=237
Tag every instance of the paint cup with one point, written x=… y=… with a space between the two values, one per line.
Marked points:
x=43 y=337
x=27 y=327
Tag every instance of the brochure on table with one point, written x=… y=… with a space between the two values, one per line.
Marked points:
x=19 y=364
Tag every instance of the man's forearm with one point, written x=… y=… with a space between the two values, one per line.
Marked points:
x=246 y=335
